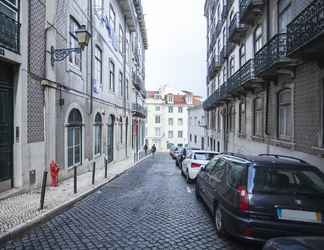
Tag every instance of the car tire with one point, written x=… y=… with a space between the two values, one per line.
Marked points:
x=219 y=222
x=188 y=180
x=197 y=191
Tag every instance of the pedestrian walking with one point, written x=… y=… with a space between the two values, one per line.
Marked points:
x=153 y=150
x=145 y=148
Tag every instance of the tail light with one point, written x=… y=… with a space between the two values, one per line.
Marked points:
x=244 y=198
x=195 y=165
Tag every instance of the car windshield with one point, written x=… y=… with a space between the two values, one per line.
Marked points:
x=204 y=156
x=283 y=180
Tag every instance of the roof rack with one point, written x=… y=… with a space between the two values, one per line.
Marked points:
x=284 y=156
x=236 y=155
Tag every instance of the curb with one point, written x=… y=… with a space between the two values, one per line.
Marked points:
x=21 y=229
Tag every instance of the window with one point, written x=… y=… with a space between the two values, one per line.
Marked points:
x=98 y=7
x=218 y=121
x=157 y=108
x=112 y=18
x=258 y=116
x=127 y=90
x=121 y=37
x=97 y=134
x=170 y=121
x=236 y=175
x=180 y=134
x=190 y=137
x=180 y=122
x=195 y=139
x=112 y=76
x=224 y=74
x=170 y=109
x=157 y=132
x=180 y=110
x=170 y=134
x=258 y=39
x=189 y=99
x=9 y=8
x=219 y=170
x=74 y=58
x=98 y=65
x=157 y=119
x=121 y=86
x=284 y=15
x=74 y=138
x=121 y=130
x=232 y=118
x=284 y=114
x=170 y=99
x=242 y=55
x=232 y=66
x=242 y=118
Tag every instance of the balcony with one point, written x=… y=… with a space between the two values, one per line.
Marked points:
x=234 y=83
x=214 y=67
x=272 y=59
x=250 y=10
x=248 y=78
x=138 y=110
x=236 y=30
x=229 y=47
x=9 y=33
x=306 y=33
x=139 y=83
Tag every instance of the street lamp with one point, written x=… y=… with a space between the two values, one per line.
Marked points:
x=83 y=37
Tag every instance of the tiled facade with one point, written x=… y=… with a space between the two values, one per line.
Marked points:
x=266 y=94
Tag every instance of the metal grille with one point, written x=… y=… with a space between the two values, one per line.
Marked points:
x=9 y=33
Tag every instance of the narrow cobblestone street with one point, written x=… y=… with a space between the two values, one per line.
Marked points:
x=149 y=207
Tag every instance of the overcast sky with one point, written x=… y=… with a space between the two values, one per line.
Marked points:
x=177 y=44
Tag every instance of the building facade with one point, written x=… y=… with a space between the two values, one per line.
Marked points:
x=79 y=108
x=167 y=117
x=265 y=77
x=197 y=127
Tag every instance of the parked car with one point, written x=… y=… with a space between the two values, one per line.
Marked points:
x=172 y=152
x=194 y=161
x=262 y=197
x=295 y=243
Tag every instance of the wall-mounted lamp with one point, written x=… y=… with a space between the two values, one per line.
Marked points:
x=83 y=37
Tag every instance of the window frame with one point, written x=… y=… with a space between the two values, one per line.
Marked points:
x=288 y=107
x=72 y=126
x=259 y=111
x=97 y=141
x=112 y=77
x=98 y=61
x=74 y=43
x=257 y=38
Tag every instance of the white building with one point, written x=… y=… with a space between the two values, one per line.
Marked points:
x=167 y=117
x=196 y=127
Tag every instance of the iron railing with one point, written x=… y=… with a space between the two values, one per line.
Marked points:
x=138 y=83
x=138 y=110
x=247 y=71
x=247 y=5
x=9 y=33
x=271 y=53
x=306 y=26
x=213 y=67
x=234 y=82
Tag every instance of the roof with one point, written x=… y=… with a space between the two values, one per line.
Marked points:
x=266 y=159
x=204 y=151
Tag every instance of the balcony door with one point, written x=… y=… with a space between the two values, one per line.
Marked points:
x=6 y=128
x=110 y=139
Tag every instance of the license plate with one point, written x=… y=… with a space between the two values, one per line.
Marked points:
x=299 y=215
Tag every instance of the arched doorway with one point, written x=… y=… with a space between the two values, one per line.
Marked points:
x=126 y=137
x=74 y=138
x=110 y=138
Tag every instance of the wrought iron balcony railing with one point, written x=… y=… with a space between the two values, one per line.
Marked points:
x=247 y=72
x=214 y=67
x=9 y=33
x=139 y=110
x=306 y=27
x=139 y=83
x=250 y=9
x=229 y=49
x=234 y=82
x=273 y=52
x=236 y=30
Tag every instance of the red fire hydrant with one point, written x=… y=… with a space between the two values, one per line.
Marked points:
x=54 y=173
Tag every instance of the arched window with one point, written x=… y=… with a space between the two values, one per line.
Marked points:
x=74 y=138
x=284 y=114
x=258 y=116
x=97 y=134
x=232 y=66
x=232 y=118
x=258 y=42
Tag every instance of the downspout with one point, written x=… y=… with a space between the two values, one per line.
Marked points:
x=91 y=57
x=268 y=84
x=124 y=80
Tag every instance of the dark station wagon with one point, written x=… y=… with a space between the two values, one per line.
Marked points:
x=261 y=197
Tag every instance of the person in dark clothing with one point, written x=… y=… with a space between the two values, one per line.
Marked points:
x=145 y=148
x=153 y=149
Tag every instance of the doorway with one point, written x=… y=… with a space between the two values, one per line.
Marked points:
x=110 y=139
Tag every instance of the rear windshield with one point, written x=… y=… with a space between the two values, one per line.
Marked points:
x=288 y=181
x=204 y=156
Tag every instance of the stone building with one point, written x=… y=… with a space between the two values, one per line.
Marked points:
x=196 y=127
x=84 y=106
x=167 y=117
x=265 y=77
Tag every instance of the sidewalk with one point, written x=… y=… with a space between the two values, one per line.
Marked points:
x=20 y=211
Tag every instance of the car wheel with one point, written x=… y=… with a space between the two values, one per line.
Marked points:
x=219 y=222
x=188 y=178
x=198 y=193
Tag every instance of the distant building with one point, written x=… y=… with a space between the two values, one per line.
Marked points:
x=196 y=127
x=167 y=116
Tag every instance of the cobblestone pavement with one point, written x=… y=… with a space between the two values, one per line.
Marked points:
x=149 y=207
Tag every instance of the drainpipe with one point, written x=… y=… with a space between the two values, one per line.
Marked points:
x=267 y=83
x=91 y=57
x=124 y=65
